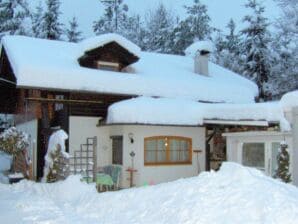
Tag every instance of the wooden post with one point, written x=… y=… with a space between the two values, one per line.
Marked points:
x=94 y=157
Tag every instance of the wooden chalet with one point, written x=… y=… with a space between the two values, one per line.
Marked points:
x=87 y=89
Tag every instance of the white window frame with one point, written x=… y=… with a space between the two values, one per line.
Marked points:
x=268 y=154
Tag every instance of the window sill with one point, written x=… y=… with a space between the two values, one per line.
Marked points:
x=168 y=164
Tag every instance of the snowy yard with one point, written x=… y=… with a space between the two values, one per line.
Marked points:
x=233 y=195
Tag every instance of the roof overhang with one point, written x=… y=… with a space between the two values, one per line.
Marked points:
x=260 y=123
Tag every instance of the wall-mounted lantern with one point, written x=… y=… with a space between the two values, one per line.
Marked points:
x=130 y=136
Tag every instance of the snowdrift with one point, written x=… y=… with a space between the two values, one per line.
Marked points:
x=235 y=194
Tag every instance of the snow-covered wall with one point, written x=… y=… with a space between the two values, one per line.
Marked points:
x=31 y=128
x=157 y=174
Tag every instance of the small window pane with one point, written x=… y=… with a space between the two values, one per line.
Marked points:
x=151 y=146
x=253 y=155
x=161 y=150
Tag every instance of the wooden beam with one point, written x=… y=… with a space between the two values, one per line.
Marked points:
x=64 y=101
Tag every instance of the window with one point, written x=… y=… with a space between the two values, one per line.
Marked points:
x=164 y=150
x=59 y=106
x=108 y=66
x=253 y=155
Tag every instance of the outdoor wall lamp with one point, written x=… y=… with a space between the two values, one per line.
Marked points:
x=130 y=136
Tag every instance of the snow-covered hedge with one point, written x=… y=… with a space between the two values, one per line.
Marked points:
x=13 y=141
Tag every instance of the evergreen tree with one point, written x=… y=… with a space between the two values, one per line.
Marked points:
x=72 y=33
x=51 y=27
x=134 y=31
x=256 y=40
x=193 y=28
x=228 y=49
x=283 y=164
x=285 y=49
x=37 y=19
x=114 y=18
x=13 y=15
x=159 y=28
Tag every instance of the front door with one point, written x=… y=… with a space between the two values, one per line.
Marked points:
x=260 y=155
x=117 y=150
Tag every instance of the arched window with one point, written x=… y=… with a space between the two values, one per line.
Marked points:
x=167 y=150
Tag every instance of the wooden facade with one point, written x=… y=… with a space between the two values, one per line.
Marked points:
x=52 y=108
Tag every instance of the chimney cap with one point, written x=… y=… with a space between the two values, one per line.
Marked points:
x=203 y=47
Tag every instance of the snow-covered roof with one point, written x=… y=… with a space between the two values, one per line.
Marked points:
x=99 y=41
x=199 y=46
x=163 y=111
x=54 y=64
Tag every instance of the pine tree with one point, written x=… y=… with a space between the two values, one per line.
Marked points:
x=72 y=33
x=285 y=49
x=13 y=15
x=256 y=40
x=51 y=27
x=228 y=49
x=196 y=26
x=113 y=19
x=158 y=30
x=37 y=20
x=134 y=31
x=283 y=164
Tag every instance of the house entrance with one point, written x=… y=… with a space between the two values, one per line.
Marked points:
x=215 y=149
x=117 y=150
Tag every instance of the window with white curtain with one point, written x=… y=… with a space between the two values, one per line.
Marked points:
x=163 y=150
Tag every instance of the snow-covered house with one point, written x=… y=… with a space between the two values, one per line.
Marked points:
x=169 y=110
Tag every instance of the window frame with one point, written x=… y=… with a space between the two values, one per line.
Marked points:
x=104 y=65
x=168 y=161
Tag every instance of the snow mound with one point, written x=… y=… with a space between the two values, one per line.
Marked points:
x=199 y=46
x=235 y=194
x=98 y=41
x=289 y=100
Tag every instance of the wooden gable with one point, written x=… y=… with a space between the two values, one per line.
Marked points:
x=111 y=52
x=8 y=91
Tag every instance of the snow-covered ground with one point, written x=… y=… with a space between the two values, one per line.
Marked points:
x=235 y=194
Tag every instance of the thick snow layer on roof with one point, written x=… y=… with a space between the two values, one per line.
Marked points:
x=234 y=194
x=289 y=100
x=197 y=47
x=53 y=64
x=98 y=41
x=147 y=110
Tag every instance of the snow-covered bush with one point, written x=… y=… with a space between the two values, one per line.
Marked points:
x=56 y=160
x=13 y=141
x=283 y=164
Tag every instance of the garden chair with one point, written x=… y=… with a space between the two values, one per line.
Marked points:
x=110 y=177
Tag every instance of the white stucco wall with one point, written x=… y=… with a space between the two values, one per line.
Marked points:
x=81 y=128
x=161 y=173
x=31 y=128
x=295 y=145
